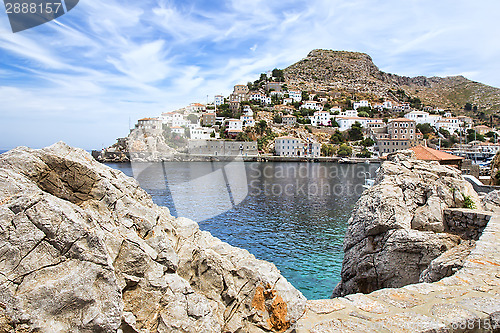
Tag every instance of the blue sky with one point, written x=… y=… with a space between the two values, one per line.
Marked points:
x=81 y=78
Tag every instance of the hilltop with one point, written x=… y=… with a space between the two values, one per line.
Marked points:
x=355 y=73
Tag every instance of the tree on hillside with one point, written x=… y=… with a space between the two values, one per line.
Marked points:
x=472 y=135
x=305 y=96
x=468 y=106
x=192 y=118
x=337 y=138
x=425 y=128
x=356 y=132
x=260 y=127
x=363 y=114
x=367 y=142
x=327 y=150
x=344 y=150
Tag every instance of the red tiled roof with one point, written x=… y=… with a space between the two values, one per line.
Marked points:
x=429 y=154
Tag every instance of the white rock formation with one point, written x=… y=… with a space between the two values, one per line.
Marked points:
x=396 y=228
x=84 y=249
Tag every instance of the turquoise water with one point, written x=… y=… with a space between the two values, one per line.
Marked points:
x=293 y=215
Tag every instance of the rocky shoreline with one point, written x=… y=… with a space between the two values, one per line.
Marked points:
x=84 y=249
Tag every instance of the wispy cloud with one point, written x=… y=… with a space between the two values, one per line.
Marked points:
x=105 y=62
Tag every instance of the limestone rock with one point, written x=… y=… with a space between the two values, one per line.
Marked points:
x=397 y=228
x=448 y=263
x=491 y=201
x=495 y=170
x=83 y=248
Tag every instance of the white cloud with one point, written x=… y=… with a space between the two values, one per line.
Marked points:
x=106 y=61
x=145 y=63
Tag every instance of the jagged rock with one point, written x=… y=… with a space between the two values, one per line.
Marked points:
x=83 y=248
x=396 y=228
x=491 y=201
x=448 y=263
x=495 y=170
x=149 y=146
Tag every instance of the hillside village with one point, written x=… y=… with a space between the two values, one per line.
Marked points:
x=274 y=116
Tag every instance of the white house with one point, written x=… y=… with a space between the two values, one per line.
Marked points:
x=261 y=98
x=420 y=117
x=149 y=124
x=346 y=123
x=233 y=125
x=313 y=105
x=202 y=133
x=247 y=110
x=248 y=121
x=360 y=104
x=336 y=109
x=218 y=100
x=387 y=105
x=289 y=146
x=179 y=120
x=296 y=95
x=287 y=101
x=178 y=130
x=348 y=113
x=321 y=118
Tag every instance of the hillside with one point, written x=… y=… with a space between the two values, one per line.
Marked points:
x=355 y=73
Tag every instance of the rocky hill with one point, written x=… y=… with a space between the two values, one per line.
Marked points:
x=354 y=72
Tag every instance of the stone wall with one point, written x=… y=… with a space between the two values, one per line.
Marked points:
x=466 y=223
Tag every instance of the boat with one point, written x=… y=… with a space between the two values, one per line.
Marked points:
x=368 y=183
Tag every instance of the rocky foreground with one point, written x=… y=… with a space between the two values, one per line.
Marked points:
x=84 y=249
x=397 y=235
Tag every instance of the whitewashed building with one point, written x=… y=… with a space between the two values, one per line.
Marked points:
x=349 y=113
x=321 y=118
x=346 y=123
x=218 y=100
x=248 y=121
x=313 y=105
x=294 y=147
x=233 y=125
x=360 y=104
x=178 y=130
x=202 y=133
x=296 y=95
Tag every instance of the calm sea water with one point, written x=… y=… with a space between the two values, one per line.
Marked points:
x=291 y=214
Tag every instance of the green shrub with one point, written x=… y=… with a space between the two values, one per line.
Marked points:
x=468 y=203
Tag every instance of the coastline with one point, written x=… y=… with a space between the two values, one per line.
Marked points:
x=148 y=157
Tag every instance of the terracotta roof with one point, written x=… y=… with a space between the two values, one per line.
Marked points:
x=429 y=154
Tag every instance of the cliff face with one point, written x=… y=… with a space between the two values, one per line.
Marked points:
x=84 y=249
x=495 y=170
x=396 y=229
